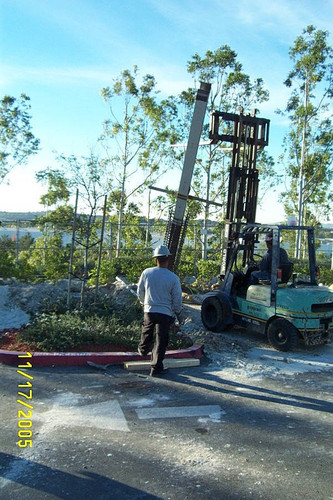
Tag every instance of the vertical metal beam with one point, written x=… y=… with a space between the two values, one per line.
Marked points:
x=100 y=250
x=70 y=265
x=192 y=149
x=189 y=162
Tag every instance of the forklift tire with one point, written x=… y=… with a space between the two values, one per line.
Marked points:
x=282 y=335
x=213 y=314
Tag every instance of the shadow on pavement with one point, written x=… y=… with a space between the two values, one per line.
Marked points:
x=215 y=383
x=59 y=484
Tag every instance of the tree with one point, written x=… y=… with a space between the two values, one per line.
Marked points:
x=7 y=257
x=88 y=176
x=48 y=257
x=231 y=88
x=308 y=146
x=136 y=136
x=57 y=187
x=17 y=142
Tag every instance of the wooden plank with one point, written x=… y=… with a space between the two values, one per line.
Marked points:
x=168 y=363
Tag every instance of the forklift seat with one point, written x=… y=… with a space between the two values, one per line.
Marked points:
x=287 y=270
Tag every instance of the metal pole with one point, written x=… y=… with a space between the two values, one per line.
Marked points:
x=189 y=162
x=301 y=177
x=17 y=241
x=100 y=248
x=111 y=234
x=70 y=266
x=148 y=215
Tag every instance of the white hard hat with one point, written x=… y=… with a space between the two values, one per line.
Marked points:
x=161 y=251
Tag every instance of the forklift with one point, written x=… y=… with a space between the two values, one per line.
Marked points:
x=285 y=307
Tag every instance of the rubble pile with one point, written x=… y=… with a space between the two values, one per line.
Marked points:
x=19 y=300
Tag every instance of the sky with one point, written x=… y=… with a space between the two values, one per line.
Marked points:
x=62 y=53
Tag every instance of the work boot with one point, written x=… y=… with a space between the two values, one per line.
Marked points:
x=158 y=373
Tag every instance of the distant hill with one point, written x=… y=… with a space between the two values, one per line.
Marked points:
x=27 y=216
x=14 y=216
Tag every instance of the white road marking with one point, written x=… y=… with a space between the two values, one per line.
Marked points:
x=106 y=415
x=212 y=411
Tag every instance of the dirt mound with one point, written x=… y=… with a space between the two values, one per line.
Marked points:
x=19 y=300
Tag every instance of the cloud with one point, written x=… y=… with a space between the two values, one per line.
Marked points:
x=52 y=75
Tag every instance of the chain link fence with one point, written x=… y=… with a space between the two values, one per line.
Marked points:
x=23 y=242
x=27 y=251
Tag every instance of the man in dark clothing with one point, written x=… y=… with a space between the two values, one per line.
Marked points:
x=265 y=265
x=160 y=293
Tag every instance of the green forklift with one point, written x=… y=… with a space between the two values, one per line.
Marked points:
x=288 y=307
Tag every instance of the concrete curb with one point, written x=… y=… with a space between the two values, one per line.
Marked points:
x=39 y=359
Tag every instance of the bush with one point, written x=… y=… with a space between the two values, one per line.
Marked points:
x=326 y=276
x=129 y=266
x=97 y=323
x=7 y=264
x=52 y=332
x=186 y=268
x=208 y=269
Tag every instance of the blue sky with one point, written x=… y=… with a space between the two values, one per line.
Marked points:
x=61 y=53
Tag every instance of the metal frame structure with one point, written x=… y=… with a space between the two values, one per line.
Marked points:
x=249 y=135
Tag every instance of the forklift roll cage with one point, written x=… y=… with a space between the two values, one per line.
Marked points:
x=245 y=243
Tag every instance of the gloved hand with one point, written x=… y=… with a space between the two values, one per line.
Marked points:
x=180 y=319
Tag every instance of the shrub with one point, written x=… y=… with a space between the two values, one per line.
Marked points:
x=52 y=332
x=326 y=276
x=208 y=269
x=101 y=322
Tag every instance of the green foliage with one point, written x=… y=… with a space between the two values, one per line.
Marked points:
x=12 y=267
x=132 y=267
x=26 y=241
x=208 y=269
x=133 y=232
x=7 y=257
x=136 y=138
x=49 y=258
x=57 y=186
x=106 y=321
x=59 y=219
x=108 y=271
x=301 y=268
x=68 y=331
x=186 y=267
x=308 y=147
x=326 y=276
x=17 y=142
x=23 y=269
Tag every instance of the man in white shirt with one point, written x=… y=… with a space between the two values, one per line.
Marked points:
x=160 y=293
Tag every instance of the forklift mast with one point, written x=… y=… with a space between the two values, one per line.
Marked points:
x=247 y=134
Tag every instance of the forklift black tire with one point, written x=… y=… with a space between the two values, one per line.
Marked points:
x=212 y=315
x=282 y=335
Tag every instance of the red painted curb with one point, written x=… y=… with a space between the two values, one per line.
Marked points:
x=81 y=358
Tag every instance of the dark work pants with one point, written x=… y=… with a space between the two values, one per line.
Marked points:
x=162 y=323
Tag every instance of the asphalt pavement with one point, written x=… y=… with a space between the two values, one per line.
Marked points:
x=112 y=434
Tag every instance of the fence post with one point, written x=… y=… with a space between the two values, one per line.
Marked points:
x=70 y=267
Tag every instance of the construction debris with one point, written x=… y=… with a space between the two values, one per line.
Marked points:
x=167 y=363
